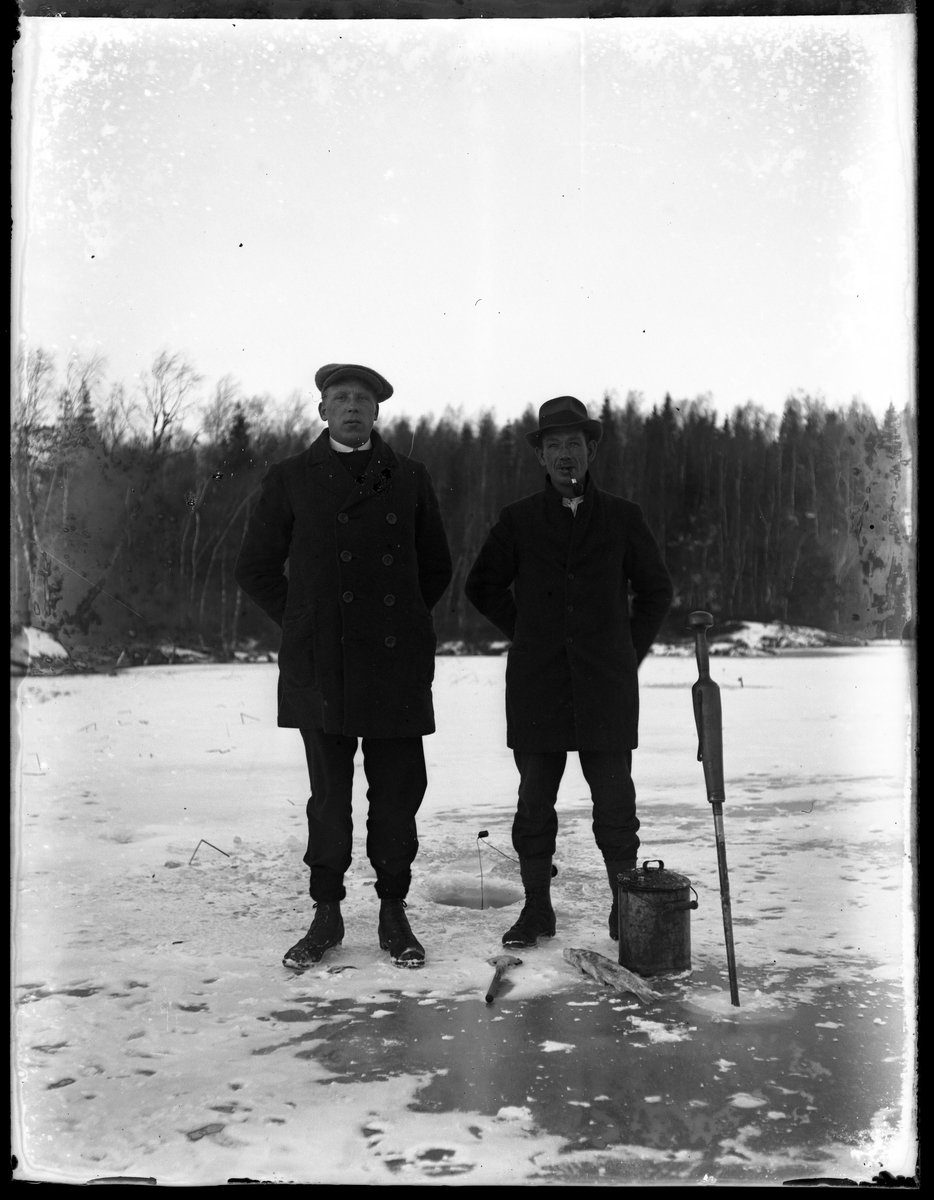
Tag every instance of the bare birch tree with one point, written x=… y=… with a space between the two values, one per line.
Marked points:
x=114 y=416
x=31 y=438
x=218 y=413
x=166 y=390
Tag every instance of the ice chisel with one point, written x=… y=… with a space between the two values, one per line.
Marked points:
x=709 y=721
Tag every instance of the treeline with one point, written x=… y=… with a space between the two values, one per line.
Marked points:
x=129 y=508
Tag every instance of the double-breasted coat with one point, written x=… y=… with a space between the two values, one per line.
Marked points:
x=368 y=559
x=582 y=598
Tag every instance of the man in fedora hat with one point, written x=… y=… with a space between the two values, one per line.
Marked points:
x=574 y=578
x=360 y=528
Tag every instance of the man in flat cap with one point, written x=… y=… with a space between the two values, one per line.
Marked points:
x=360 y=528
x=574 y=578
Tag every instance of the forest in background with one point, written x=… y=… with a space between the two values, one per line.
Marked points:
x=128 y=507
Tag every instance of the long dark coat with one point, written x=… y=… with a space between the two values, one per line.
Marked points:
x=558 y=586
x=367 y=561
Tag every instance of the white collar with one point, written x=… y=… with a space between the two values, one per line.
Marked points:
x=342 y=449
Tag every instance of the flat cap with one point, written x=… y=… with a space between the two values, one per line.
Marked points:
x=335 y=372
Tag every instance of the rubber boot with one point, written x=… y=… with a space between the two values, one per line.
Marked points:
x=537 y=918
x=396 y=936
x=326 y=930
x=612 y=870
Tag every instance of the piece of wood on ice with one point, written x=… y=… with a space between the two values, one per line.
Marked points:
x=604 y=970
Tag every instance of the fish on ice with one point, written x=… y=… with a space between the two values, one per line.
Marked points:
x=502 y=963
x=604 y=970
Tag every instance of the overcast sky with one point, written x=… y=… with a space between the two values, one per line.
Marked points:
x=489 y=212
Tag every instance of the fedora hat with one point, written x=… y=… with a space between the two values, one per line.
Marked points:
x=560 y=413
x=335 y=372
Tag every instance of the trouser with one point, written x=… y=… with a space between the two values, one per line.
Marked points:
x=609 y=775
x=395 y=772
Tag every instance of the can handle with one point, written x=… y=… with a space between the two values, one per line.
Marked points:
x=681 y=905
x=645 y=865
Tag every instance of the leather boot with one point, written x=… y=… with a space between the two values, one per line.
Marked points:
x=537 y=918
x=612 y=870
x=326 y=930
x=396 y=936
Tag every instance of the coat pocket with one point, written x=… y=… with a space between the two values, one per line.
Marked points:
x=296 y=649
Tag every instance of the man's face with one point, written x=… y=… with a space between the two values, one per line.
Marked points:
x=565 y=454
x=350 y=409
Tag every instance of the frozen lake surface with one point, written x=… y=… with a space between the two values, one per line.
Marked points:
x=157 y=1035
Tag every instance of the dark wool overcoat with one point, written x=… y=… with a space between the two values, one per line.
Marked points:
x=582 y=598
x=367 y=561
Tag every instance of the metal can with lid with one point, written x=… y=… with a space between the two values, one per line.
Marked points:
x=655 y=919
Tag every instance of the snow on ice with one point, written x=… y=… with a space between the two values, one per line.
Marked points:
x=157 y=1034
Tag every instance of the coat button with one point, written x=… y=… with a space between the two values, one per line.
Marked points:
x=570 y=639
x=346 y=556
x=570 y=608
x=387 y=560
x=389 y=600
x=390 y=642
x=391 y=518
x=348 y=596
x=570 y=575
x=343 y=518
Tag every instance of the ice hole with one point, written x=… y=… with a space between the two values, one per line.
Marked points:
x=468 y=895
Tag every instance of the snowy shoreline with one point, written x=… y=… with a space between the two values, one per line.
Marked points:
x=38 y=652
